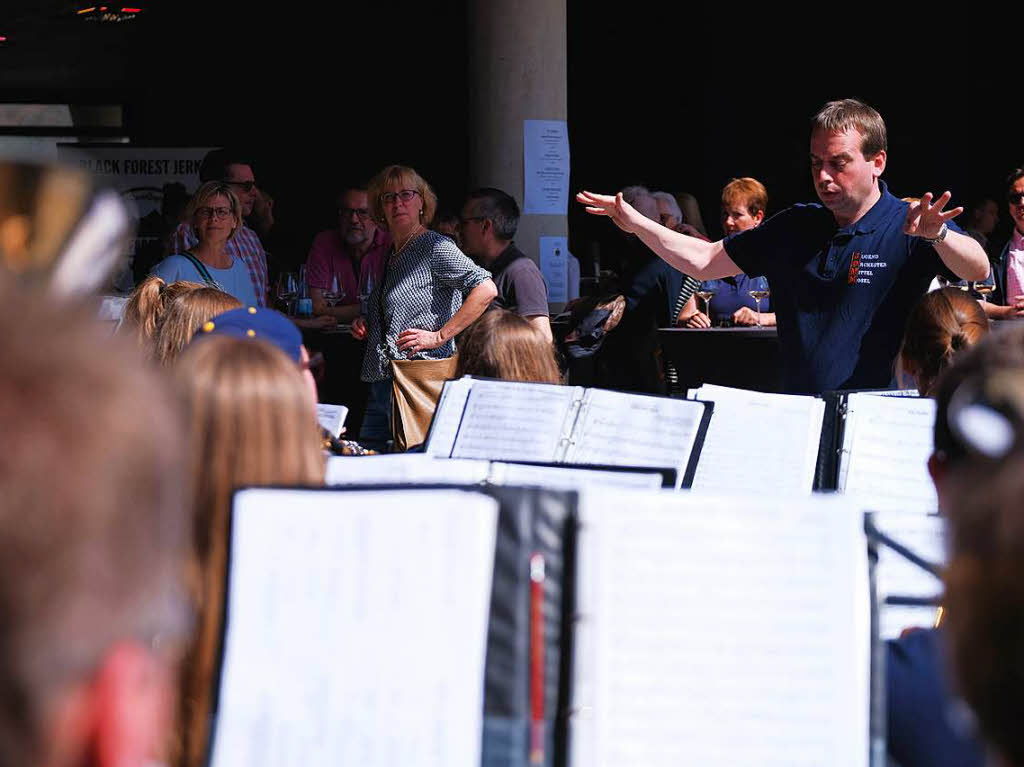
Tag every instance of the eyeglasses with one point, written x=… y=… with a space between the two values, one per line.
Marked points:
x=1015 y=198
x=388 y=198
x=361 y=213
x=245 y=186
x=218 y=213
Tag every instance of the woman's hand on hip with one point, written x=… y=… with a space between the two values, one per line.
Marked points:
x=414 y=340
x=358 y=328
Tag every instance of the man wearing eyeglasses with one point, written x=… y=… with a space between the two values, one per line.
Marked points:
x=235 y=170
x=348 y=259
x=487 y=225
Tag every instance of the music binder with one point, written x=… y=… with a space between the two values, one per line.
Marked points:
x=875 y=446
x=422 y=469
x=792 y=662
x=535 y=520
x=529 y=521
x=547 y=423
x=758 y=441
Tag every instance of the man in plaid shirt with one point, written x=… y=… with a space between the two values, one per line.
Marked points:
x=235 y=170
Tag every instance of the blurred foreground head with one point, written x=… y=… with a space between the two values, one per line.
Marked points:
x=979 y=470
x=58 y=228
x=93 y=530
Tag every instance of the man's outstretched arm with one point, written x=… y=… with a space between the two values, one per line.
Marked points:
x=699 y=259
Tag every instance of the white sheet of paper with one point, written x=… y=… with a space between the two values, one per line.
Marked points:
x=554 y=265
x=331 y=417
x=574 y=277
x=925 y=535
x=357 y=627
x=720 y=631
x=759 y=442
x=112 y=307
x=546 y=167
x=447 y=416
x=570 y=478
x=618 y=429
x=886 y=444
x=404 y=469
x=506 y=421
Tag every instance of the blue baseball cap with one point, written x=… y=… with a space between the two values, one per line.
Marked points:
x=261 y=324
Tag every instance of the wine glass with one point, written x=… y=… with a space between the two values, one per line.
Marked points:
x=287 y=289
x=758 y=289
x=705 y=292
x=365 y=289
x=985 y=286
x=335 y=294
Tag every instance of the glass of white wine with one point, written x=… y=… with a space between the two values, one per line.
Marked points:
x=984 y=287
x=335 y=293
x=758 y=289
x=705 y=293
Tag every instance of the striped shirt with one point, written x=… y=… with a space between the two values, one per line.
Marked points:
x=422 y=288
x=245 y=246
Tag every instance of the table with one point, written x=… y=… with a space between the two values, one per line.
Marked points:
x=343 y=361
x=745 y=358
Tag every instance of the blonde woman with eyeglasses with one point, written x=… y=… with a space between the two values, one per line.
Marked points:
x=430 y=291
x=216 y=216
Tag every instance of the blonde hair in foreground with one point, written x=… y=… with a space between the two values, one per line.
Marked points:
x=501 y=344
x=251 y=422
x=145 y=306
x=184 y=315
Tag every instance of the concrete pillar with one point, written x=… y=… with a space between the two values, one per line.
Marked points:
x=517 y=71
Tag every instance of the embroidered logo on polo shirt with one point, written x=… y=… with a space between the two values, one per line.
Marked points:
x=854 y=268
x=864 y=267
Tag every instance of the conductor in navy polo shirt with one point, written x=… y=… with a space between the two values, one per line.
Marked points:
x=844 y=273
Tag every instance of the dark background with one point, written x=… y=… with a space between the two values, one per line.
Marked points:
x=681 y=100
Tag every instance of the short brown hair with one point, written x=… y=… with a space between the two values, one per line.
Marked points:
x=941 y=324
x=145 y=306
x=93 y=509
x=399 y=177
x=984 y=580
x=252 y=423
x=208 y=191
x=183 y=316
x=849 y=114
x=504 y=345
x=748 y=192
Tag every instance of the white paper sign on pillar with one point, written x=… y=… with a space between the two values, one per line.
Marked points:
x=554 y=265
x=546 y=167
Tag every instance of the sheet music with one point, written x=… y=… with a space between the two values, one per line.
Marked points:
x=759 y=442
x=331 y=417
x=925 y=535
x=886 y=442
x=619 y=429
x=720 y=631
x=894 y=393
x=404 y=469
x=447 y=416
x=508 y=421
x=570 y=478
x=357 y=627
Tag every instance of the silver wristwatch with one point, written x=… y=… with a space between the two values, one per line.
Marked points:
x=940 y=236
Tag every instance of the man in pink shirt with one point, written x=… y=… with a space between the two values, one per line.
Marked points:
x=350 y=258
x=1008 y=299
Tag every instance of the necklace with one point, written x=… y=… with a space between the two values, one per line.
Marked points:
x=409 y=239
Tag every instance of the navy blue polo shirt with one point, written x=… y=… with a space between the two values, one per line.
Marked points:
x=841 y=296
x=733 y=293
